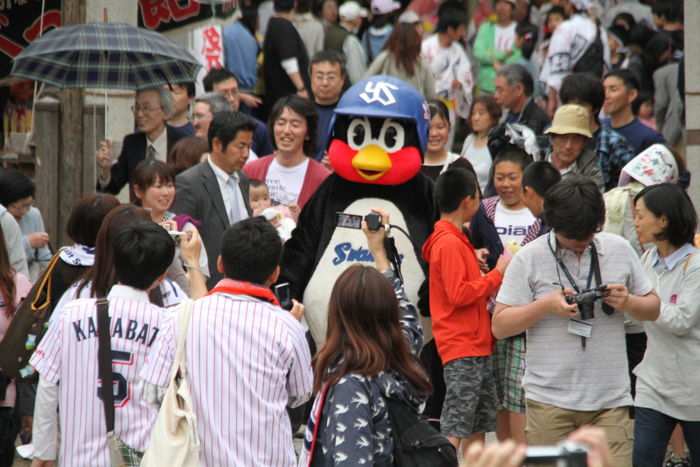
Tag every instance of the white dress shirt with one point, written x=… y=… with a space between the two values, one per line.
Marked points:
x=160 y=144
x=236 y=211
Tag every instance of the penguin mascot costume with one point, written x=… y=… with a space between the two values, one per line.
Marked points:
x=379 y=134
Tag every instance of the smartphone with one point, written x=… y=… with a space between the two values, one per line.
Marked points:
x=284 y=295
x=349 y=221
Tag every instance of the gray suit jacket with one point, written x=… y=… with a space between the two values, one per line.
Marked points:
x=198 y=196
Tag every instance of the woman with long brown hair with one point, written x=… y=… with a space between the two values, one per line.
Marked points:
x=13 y=288
x=372 y=339
x=401 y=59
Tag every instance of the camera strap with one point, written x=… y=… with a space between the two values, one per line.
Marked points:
x=594 y=270
x=393 y=255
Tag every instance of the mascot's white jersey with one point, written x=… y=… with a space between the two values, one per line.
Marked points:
x=347 y=247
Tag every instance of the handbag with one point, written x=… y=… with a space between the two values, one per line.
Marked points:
x=118 y=451
x=174 y=438
x=27 y=328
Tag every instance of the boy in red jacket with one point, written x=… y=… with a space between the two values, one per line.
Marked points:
x=461 y=322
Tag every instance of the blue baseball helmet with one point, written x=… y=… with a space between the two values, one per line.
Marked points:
x=386 y=97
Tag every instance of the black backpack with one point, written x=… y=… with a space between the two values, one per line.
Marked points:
x=592 y=60
x=416 y=442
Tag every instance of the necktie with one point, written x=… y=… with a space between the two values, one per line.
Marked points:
x=233 y=212
x=151 y=153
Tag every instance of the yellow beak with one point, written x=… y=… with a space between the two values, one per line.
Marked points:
x=371 y=162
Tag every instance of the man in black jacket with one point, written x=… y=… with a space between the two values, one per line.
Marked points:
x=154 y=140
x=514 y=86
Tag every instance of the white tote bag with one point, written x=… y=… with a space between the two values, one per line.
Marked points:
x=174 y=439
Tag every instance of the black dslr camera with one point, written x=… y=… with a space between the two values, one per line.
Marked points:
x=585 y=300
x=353 y=221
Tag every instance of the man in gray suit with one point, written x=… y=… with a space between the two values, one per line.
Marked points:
x=215 y=192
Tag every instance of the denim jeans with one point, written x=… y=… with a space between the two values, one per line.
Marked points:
x=652 y=430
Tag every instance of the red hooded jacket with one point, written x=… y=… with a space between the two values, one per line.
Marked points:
x=458 y=294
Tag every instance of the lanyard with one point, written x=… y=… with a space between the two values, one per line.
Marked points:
x=594 y=268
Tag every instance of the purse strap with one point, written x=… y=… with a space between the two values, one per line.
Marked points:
x=183 y=324
x=104 y=357
x=46 y=282
x=322 y=402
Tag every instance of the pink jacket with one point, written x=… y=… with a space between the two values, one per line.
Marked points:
x=315 y=175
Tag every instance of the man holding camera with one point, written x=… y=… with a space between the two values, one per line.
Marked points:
x=576 y=364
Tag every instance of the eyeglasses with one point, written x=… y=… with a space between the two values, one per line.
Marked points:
x=323 y=76
x=24 y=207
x=145 y=109
x=230 y=93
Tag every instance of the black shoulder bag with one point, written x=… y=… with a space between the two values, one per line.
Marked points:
x=416 y=442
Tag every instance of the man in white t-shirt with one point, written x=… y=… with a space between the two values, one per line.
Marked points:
x=448 y=61
x=290 y=174
x=493 y=46
x=569 y=43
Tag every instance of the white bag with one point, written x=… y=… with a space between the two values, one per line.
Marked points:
x=174 y=439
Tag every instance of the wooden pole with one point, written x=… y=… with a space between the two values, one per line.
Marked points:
x=75 y=161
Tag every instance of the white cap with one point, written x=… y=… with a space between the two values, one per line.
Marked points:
x=582 y=5
x=351 y=10
x=409 y=16
x=382 y=7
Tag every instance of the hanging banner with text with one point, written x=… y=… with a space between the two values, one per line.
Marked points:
x=168 y=15
x=20 y=25
x=208 y=48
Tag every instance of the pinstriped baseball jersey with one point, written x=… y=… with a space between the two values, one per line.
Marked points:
x=246 y=361
x=68 y=356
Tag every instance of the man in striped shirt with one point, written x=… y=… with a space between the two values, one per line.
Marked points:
x=575 y=367
x=68 y=354
x=247 y=358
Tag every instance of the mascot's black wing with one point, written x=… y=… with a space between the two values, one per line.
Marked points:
x=300 y=251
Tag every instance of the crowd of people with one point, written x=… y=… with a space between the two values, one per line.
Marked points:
x=560 y=261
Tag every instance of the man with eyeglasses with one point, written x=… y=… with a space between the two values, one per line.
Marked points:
x=575 y=360
x=225 y=82
x=205 y=106
x=155 y=139
x=327 y=81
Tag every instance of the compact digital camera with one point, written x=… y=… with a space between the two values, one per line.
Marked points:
x=565 y=454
